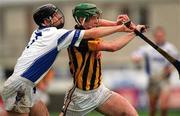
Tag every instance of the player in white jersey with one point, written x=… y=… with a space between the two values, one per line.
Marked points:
x=38 y=56
x=158 y=70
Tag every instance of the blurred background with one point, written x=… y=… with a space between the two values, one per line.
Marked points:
x=119 y=72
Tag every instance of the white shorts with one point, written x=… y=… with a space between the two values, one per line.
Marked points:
x=83 y=102
x=18 y=94
x=158 y=84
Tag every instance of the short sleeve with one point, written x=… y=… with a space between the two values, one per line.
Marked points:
x=70 y=38
x=174 y=51
x=79 y=38
x=90 y=45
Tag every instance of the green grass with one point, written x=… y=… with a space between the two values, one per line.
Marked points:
x=140 y=112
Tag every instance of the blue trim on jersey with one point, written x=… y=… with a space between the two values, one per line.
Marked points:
x=147 y=65
x=40 y=66
x=75 y=37
x=62 y=38
x=38 y=34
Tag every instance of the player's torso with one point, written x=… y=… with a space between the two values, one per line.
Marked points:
x=85 y=67
x=38 y=55
x=155 y=60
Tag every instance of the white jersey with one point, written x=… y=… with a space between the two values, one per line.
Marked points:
x=42 y=50
x=154 y=61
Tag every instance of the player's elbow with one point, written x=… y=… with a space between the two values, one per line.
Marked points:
x=113 y=48
x=109 y=46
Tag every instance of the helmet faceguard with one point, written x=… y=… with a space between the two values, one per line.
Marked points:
x=45 y=12
x=86 y=11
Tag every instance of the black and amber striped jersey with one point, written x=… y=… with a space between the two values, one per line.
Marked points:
x=85 y=67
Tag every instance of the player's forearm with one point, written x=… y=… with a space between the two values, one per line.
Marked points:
x=122 y=41
x=102 y=31
x=103 y=22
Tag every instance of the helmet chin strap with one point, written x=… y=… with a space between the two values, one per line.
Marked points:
x=51 y=23
x=83 y=21
x=79 y=23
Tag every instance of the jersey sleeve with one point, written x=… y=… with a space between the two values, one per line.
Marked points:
x=70 y=38
x=90 y=45
x=77 y=40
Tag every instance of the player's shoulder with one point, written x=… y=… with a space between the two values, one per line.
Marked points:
x=52 y=31
x=169 y=45
x=47 y=30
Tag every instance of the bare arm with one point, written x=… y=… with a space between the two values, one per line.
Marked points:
x=116 y=44
x=120 y=18
x=104 y=22
x=108 y=27
x=104 y=31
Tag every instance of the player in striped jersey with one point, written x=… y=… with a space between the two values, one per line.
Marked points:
x=88 y=92
x=37 y=58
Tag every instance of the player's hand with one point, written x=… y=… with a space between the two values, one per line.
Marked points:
x=125 y=29
x=141 y=28
x=122 y=18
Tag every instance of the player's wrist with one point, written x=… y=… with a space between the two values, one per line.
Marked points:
x=123 y=28
x=134 y=34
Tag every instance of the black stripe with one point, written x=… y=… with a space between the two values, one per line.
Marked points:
x=71 y=69
x=99 y=62
x=83 y=46
x=86 y=70
x=82 y=49
x=74 y=60
x=94 y=74
x=83 y=54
